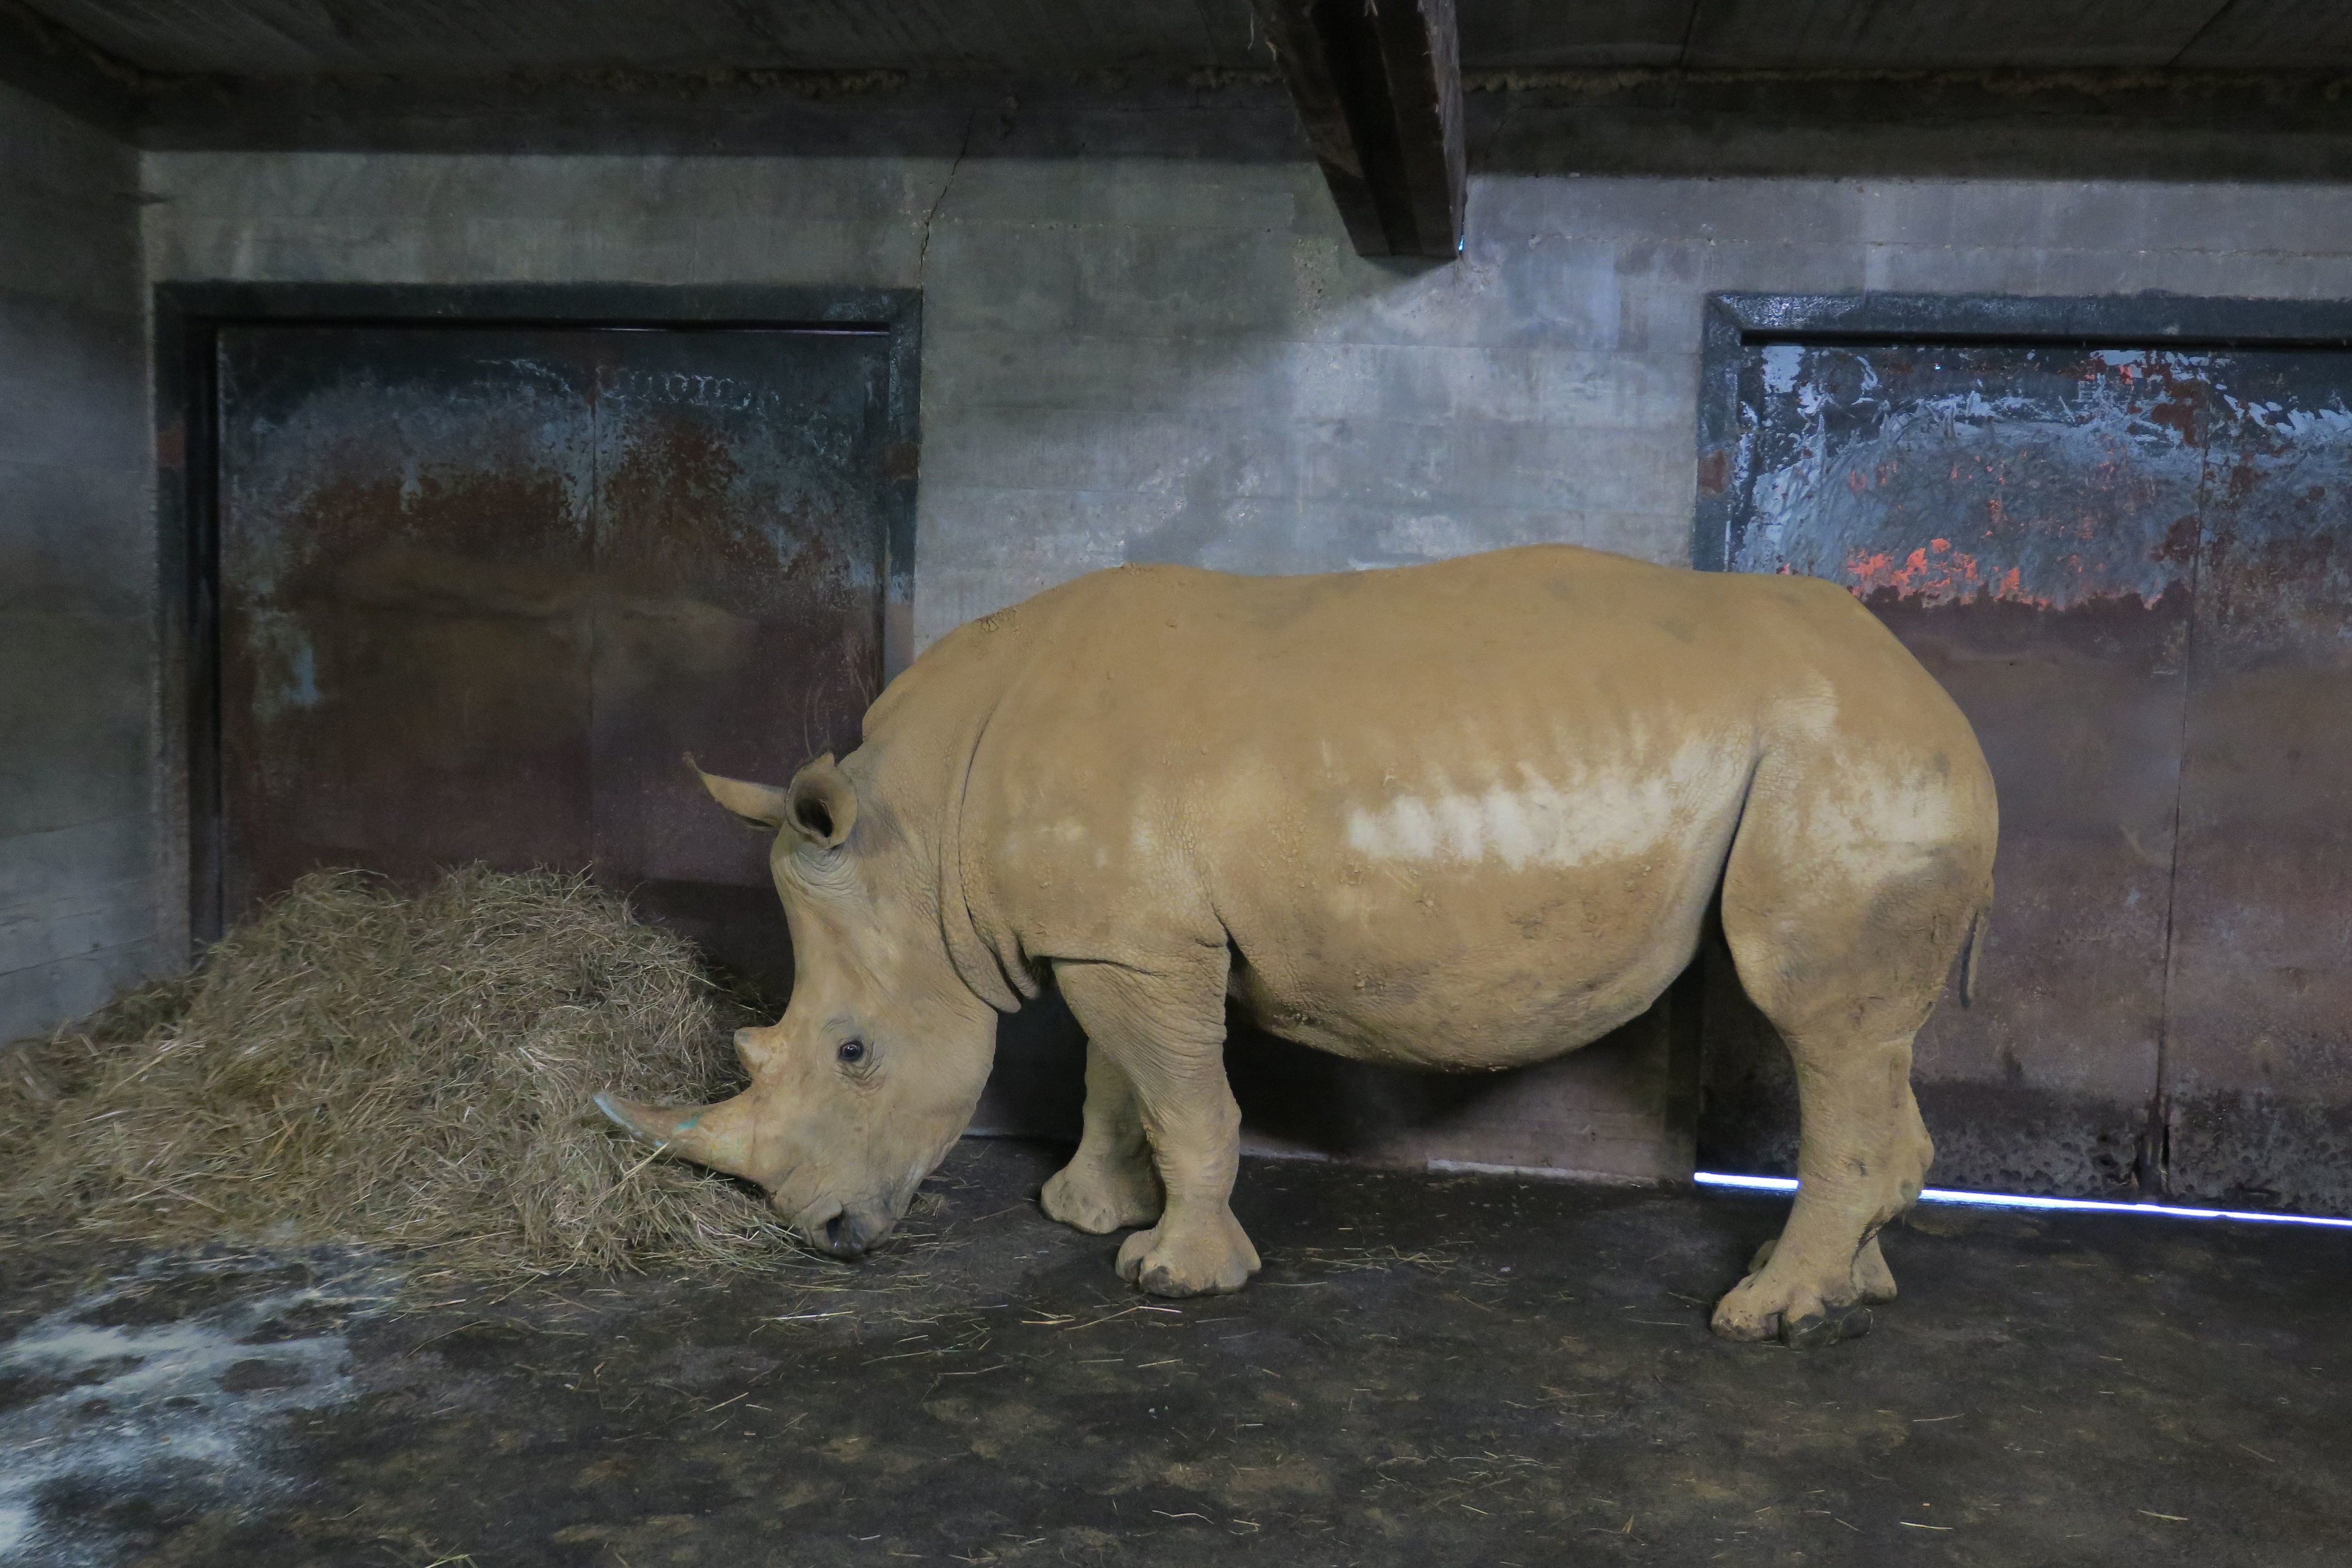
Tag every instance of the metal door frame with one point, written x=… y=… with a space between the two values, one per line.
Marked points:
x=188 y=318
x=1736 y=322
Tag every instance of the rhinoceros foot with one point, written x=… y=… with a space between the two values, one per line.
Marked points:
x=1873 y=1282
x=1771 y=1305
x=1100 y=1196
x=1211 y=1259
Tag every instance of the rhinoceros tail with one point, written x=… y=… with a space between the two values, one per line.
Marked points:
x=1974 y=954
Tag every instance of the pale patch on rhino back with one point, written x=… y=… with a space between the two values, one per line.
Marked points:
x=1595 y=815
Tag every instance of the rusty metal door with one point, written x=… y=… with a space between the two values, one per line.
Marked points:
x=2257 y=1084
x=480 y=588
x=2132 y=567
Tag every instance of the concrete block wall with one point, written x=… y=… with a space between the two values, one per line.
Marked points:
x=79 y=881
x=1143 y=359
x=1133 y=360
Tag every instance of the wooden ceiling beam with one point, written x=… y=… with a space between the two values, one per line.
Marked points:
x=1377 y=86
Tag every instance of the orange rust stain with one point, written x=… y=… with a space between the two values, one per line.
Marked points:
x=1935 y=571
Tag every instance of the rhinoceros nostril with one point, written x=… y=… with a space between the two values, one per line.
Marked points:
x=852 y=1232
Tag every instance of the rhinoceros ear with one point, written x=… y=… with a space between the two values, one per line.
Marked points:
x=823 y=807
x=764 y=806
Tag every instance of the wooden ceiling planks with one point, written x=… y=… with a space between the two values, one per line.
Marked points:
x=458 y=37
x=1594 y=35
x=1901 y=35
x=464 y=38
x=2265 y=34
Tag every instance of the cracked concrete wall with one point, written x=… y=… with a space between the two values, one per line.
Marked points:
x=79 y=910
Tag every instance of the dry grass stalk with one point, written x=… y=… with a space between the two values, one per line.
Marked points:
x=409 y=1073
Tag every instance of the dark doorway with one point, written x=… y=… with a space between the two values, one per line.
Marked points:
x=2128 y=556
x=479 y=586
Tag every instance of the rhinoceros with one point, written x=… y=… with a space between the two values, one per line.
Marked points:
x=1467 y=815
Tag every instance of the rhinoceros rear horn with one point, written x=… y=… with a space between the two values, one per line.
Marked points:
x=823 y=806
x=718 y=1136
x=762 y=806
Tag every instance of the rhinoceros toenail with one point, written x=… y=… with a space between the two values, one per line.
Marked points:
x=1808 y=1332
x=1815 y=1330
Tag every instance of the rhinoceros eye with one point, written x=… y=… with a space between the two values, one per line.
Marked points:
x=851 y=1052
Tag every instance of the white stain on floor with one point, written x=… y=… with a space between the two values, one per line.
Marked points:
x=133 y=1398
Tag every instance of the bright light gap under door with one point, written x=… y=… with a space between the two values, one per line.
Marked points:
x=2016 y=1201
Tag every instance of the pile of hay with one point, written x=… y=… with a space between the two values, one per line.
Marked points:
x=408 y=1073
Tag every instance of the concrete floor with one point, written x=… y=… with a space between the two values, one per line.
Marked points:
x=1430 y=1370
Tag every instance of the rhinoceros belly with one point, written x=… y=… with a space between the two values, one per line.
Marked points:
x=1482 y=927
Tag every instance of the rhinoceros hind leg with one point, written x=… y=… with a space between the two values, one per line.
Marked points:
x=1873 y=1281
x=1165 y=1030
x=1861 y=1160
x=1844 y=946
x=1109 y=1183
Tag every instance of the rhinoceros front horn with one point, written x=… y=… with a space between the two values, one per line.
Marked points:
x=718 y=1136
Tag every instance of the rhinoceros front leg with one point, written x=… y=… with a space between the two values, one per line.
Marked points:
x=1109 y=1183
x=1165 y=1030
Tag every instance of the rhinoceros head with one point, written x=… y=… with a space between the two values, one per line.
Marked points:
x=872 y=1074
